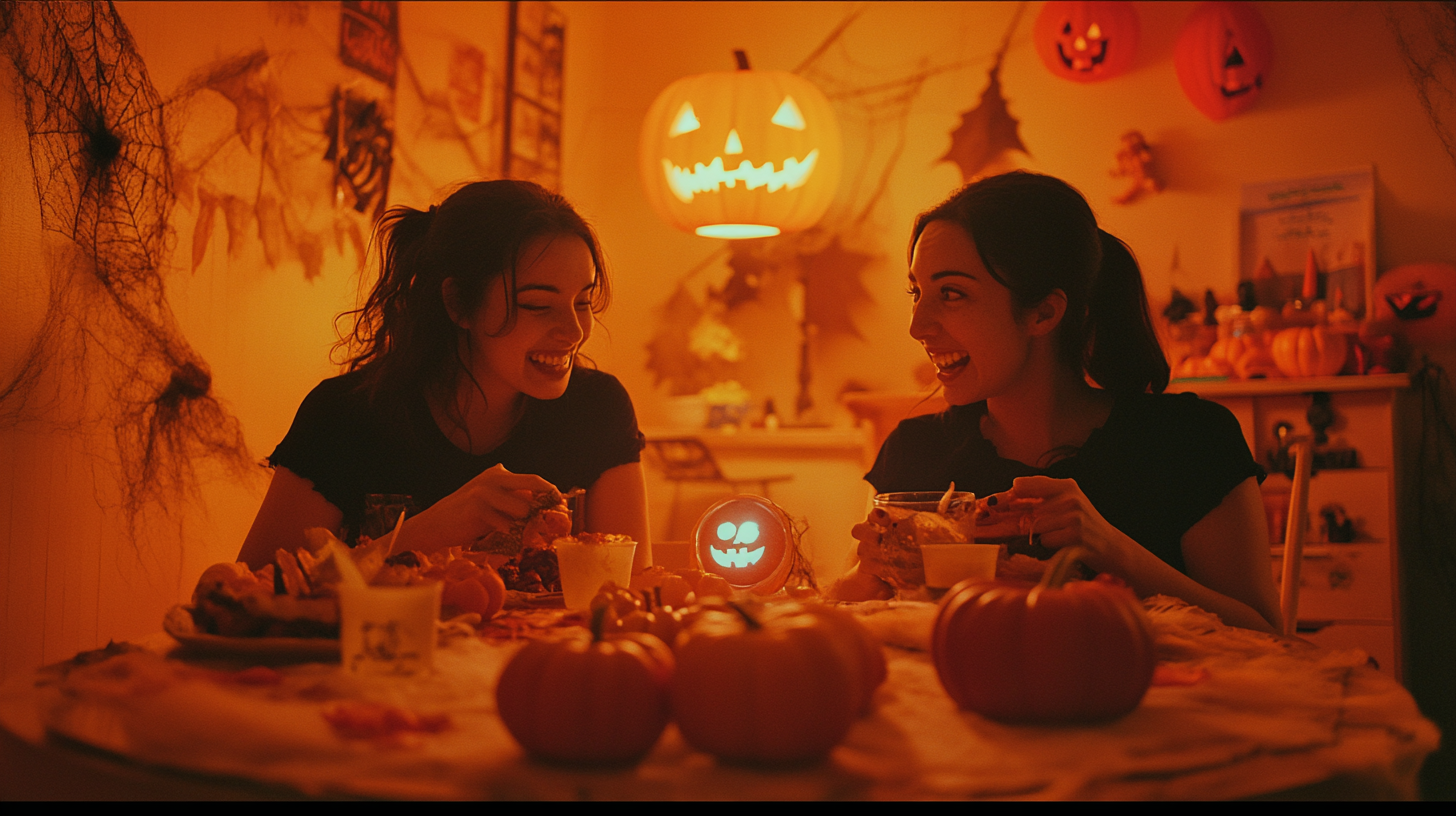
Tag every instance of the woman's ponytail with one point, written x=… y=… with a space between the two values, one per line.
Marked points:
x=1122 y=352
x=383 y=322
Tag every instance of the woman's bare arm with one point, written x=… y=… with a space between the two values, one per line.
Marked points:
x=617 y=503
x=1228 y=552
x=290 y=506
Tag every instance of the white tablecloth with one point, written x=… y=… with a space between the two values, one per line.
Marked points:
x=1267 y=715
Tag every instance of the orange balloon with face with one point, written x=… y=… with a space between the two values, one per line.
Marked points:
x=1087 y=41
x=1222 y=57
x=749 y=541
x=740 y=154
x=1418 y=301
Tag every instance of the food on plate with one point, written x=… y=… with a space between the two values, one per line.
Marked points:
x=297 y=595
x=531 y=564
x=232 y=601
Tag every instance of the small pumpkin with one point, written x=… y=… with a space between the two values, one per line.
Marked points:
x=1310 y=351
x=1046 y=653
x=873 y=668
x=471 y=587
x=763 y=686
x=590 y=699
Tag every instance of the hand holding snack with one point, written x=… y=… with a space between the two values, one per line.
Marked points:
x=1058 y=514
x=497 y=501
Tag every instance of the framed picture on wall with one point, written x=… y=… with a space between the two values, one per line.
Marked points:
x=1281 y=223
x=536 y=43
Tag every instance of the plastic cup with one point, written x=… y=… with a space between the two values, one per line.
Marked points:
x=586 y=566
x=923 y=502
x=388 y=630
x=948 y=564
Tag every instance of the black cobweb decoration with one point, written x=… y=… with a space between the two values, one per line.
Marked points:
x=100 y=158
x=1426 y=36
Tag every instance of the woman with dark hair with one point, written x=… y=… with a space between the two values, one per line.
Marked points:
x=463 y=396
x=1038 y=326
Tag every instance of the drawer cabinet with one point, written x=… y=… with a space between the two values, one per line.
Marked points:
x=1349 y=594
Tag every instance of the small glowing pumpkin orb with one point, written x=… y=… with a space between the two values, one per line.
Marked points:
x=740 y=154
x=1222 y=58
x=1087 y=40
x=748 y=540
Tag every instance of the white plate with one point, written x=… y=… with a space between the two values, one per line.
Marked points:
x=179 y=624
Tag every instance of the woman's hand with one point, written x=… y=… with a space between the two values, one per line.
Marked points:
x=1060 y=515
x=494 y=500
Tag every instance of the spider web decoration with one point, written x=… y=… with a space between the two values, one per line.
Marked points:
x=1426 y=35
x=99 y=154
x=987 y=130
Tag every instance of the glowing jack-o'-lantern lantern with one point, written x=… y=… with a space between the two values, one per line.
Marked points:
x=740 y=154
x=748 y=540
x=1222 y=56
x=1087 y=41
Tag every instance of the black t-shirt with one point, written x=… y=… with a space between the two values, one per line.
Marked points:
x=349 y=447
x=1159 y=464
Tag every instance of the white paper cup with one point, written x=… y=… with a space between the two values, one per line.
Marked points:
x=948 y=564
x=585 y=567
x=388 y=630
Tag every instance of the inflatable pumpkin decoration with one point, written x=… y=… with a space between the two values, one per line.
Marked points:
x=740 y=154
x=1087 y=41
x=1222 y=57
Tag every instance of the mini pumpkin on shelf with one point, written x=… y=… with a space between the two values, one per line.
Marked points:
x=1310 y=351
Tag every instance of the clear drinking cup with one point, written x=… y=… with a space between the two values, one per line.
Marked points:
x=585 y=566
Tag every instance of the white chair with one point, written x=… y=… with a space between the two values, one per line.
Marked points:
x=1294 y=533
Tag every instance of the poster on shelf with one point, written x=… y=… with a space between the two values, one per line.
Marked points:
x=1282 y=222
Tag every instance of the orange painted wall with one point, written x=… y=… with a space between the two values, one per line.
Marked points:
x=1339 y=97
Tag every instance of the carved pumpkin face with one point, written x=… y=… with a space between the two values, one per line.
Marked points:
x=1222 y=56
x=1087 y=41
x=1419 y=301
x=748 y=540
x=740 y=154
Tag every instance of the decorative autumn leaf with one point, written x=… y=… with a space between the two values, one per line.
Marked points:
x=833 y=286
x=202 y=234
x=749 y=270
x=985 y=132
x=669 y=353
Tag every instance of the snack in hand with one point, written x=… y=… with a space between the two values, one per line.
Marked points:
x=899 y=562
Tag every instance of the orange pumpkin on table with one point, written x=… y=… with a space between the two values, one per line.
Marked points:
x=766 y=685
x=1045 y=653
x=1310 y=351
x=590 y=699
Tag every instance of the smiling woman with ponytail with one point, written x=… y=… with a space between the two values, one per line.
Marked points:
x=1039 y=329
x=462 y=392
